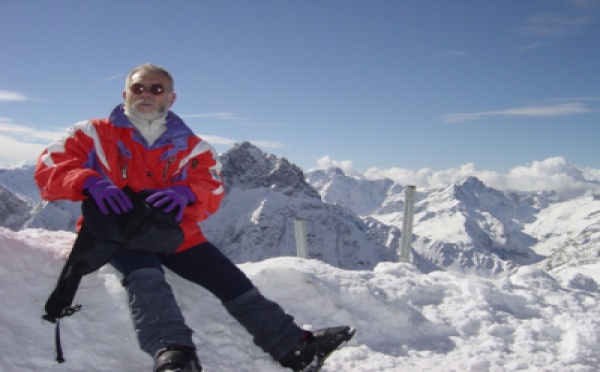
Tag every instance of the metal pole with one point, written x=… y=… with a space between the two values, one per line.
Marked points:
x=409 y=211
x=301 y=243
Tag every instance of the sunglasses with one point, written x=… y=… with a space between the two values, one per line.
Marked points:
x=154 y=89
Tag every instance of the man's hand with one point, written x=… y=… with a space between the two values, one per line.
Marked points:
x=172 y=197
x=107 y=196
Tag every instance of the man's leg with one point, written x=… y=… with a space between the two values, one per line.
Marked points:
x=272 y=329
x=156 y=317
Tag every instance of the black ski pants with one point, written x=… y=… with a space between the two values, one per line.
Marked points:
x=157 y=319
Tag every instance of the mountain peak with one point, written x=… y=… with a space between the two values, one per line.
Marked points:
x=246 y=166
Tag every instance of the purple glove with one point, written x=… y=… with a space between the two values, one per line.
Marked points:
x=105 y=192
x=173 y=196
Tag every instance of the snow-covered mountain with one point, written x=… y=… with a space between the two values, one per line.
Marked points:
x=265 y=195
x=14 y=209
x=466 y=226
x=501 y=281
x=356 y=223
x=365 y=197
x=568 y=232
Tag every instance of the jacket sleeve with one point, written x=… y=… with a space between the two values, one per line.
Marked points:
x=203 y=177
x=63 y=167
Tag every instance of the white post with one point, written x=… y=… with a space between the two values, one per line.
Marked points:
x=301 y=243
x=409 y=210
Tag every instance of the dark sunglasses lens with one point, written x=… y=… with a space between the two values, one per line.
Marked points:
x=157 y=89
x=137 y=89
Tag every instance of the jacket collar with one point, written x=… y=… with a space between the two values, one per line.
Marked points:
x=176 y=128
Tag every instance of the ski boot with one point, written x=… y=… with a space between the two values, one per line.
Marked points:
x=314 y=347
x=177 y=359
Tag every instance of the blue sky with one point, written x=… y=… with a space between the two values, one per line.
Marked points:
x=406 y=84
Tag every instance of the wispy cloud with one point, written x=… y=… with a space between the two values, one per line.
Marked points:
x=20 y=142
x=111 y=78
x=585 y=4
x=27 y=134
x=454 y=54
x=216 y=116
x=224 y=141
x=554 y=25
x=577 y=17
x=8 y=96
x=533 y=46
x=218 y=140
x=561 y=109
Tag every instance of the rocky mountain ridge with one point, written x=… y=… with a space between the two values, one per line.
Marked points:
x=468 y=226
x=355 y=223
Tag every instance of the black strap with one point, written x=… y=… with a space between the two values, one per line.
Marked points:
x=67 y=312
x=58 y=346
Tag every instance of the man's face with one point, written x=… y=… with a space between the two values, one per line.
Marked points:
x=140 y=98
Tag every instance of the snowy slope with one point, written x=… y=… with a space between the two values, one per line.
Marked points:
x=406 y=320
x=568 y=232
x=365 y=197
x=19 y=180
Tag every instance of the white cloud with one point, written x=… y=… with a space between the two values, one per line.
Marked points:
x=561 y=109
x=14 y=151
x=423 y=177
x=8 y=96
x=326 y=162
x=552 y=174
x=591 y=174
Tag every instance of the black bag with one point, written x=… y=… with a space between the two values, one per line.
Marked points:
x=101 y=236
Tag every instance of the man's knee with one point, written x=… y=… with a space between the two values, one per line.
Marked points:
x=143 y=276
x=156 y=316
x=151 y=297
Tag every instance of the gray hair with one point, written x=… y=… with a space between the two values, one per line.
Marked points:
x=149 y=67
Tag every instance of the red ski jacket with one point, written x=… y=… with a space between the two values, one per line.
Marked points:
x=113 y=149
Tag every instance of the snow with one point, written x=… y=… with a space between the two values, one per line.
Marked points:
x=530 y=320
x=566 y=221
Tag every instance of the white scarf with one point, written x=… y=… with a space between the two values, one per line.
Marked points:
x=150 y=129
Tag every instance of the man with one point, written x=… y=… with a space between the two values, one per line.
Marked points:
x=146 y=148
